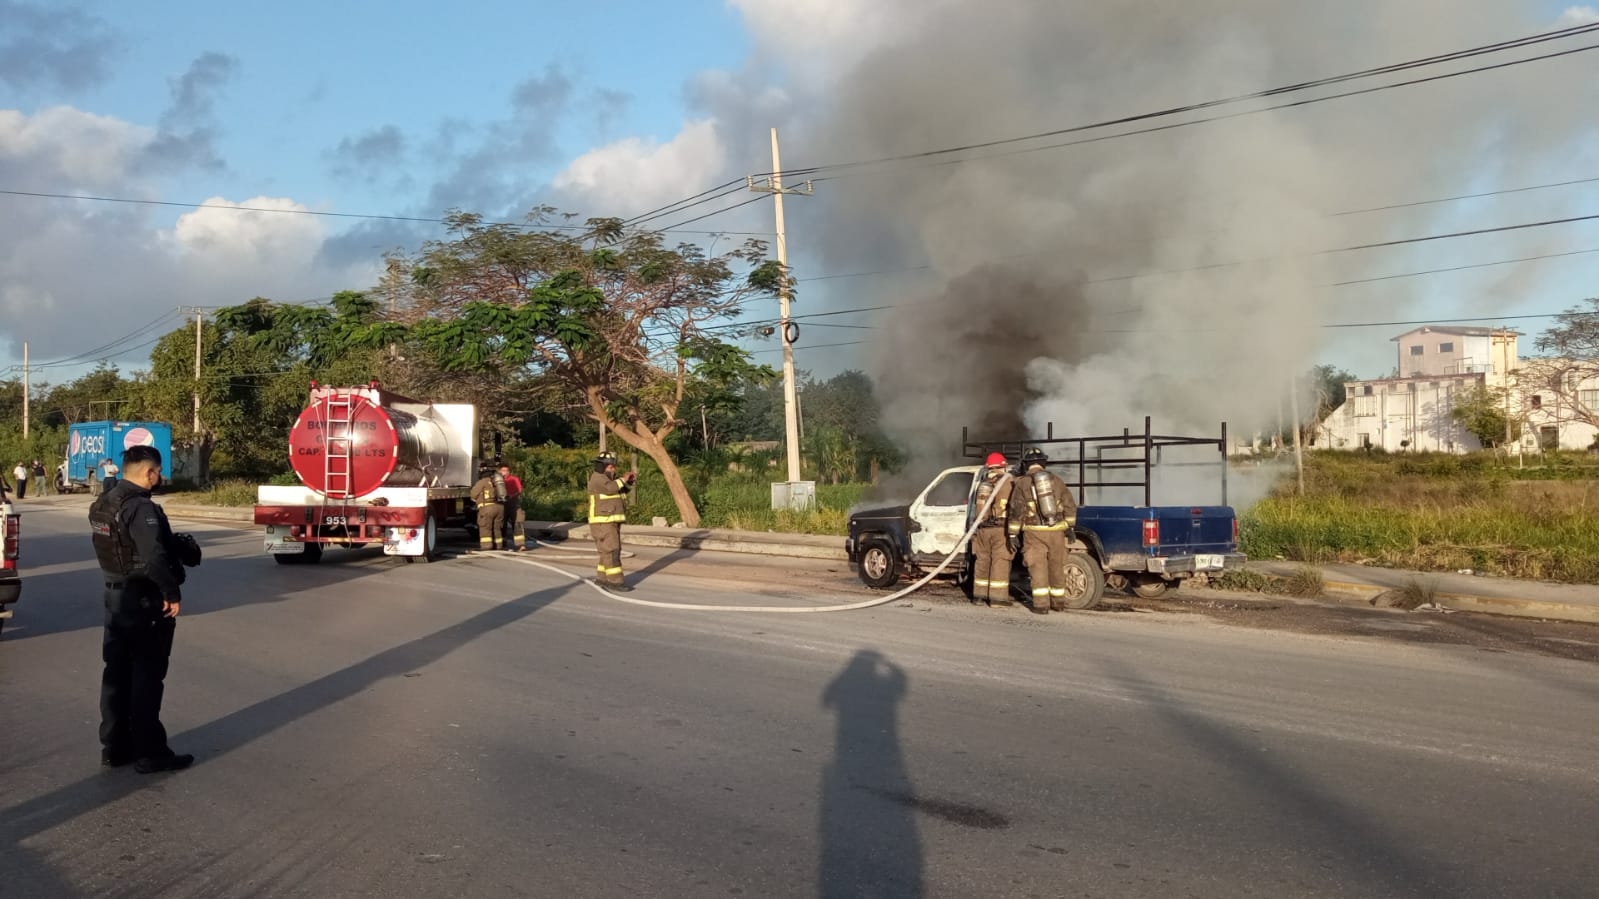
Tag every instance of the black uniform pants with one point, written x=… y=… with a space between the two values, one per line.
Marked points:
x=137 y=644
x=515 y=525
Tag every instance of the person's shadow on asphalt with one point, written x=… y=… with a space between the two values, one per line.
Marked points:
x=870 y=845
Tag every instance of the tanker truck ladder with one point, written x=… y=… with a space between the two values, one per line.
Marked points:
x=336 y=440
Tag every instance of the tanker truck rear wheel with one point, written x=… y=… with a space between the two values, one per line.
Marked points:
x=430 y=542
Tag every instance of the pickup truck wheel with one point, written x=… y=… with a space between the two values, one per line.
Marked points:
x=879 y=566
x=1085 y=583
x=1153 y=587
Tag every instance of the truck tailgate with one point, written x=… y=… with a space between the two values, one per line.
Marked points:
x=1183 y=530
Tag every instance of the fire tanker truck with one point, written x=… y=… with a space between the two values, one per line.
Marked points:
x=374 y=468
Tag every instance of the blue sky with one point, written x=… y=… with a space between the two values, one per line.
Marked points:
x=403 y=108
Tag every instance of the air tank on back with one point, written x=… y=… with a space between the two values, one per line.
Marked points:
x=351 y=441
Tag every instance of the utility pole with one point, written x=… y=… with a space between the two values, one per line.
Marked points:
x=26 y=388
x=774 y=186
x=199 y=317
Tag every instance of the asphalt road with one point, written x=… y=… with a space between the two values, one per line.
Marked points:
x=479 y=727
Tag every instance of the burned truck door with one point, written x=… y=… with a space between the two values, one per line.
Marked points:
x=939 y=514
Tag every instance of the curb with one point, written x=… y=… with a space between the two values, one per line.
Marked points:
x=831 y=549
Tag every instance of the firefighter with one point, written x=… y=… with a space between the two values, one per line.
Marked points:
x=489 y=494
x=607 y=511
x=515 y=535
x=990 y=545
x=1042 y=513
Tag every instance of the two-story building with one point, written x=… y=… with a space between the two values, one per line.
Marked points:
x=1436 y=367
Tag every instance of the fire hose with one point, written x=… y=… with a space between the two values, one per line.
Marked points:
x=960 y=547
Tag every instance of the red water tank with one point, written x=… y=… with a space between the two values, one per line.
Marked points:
x=347 y=444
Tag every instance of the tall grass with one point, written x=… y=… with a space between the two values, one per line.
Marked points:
x=1436 y=513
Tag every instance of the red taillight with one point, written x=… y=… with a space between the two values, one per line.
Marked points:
x=1235 y=530
x=8 y=555
x=1151 y=533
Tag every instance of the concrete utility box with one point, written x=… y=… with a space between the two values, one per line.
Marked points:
x=794 y=495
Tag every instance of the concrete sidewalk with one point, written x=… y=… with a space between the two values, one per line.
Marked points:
x=1498 y=596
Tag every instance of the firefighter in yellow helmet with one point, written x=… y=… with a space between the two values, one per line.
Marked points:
x=1042 y=512
x=991 y=551
x=607 y=511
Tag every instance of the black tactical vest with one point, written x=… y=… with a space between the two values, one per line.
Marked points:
x=113 y=547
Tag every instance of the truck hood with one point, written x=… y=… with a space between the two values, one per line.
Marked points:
x=880 y=513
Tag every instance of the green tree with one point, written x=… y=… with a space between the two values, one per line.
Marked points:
x=616 y=322
x=1481 y=411
x=257 y=359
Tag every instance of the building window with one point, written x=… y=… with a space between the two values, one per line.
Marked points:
x=1367 y=390
x=1537 y=401
x=1589 y=398
x=1415 y=350
x=1412 y=386
x=1365 y=406
x=1446 y=347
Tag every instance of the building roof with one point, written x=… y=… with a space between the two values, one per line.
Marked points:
x=1454 y=329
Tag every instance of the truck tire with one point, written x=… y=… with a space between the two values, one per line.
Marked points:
x=1085 y=583
x=879 y=566
x=430 y=542
x=1152 y=587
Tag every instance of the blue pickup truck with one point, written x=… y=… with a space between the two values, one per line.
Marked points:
x=1146 y=549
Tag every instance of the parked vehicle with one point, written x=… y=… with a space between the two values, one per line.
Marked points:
x=10 y=546
x=375 y=468
x=89 y=443
x=1147 y=549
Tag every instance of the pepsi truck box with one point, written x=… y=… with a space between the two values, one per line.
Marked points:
x=91 y=442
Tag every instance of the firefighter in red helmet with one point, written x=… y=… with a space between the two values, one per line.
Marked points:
x=991 y=549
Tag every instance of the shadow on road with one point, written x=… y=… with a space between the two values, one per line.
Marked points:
x=232 y=731
x=870 y=845
x=1358 y=846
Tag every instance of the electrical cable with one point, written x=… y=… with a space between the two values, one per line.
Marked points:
x=673 y=206
x=1253 y=95
x=707 y=215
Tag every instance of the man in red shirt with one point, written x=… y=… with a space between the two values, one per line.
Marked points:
x=515 y=538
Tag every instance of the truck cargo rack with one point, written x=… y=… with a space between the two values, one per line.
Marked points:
x=1127 y=451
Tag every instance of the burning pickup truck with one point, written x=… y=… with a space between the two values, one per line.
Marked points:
x=1147 y=549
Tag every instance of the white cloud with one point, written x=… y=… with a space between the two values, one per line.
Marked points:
x=220 y=233
x=74 y=148
x=1579 y=15
x=77 y=274
x=635 y=174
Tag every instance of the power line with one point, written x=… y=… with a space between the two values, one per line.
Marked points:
x=718 y=212
x=315 y=212
x=1475 y=196
x=1254 y=95
x=1453 y=234
x=1458 y=268
x=673 y=207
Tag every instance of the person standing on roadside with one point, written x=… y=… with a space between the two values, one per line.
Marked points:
x=991 y=552
x=42 y=484
x=142 y=562
x=21 y=475
x=515 y=536
x=607 y=512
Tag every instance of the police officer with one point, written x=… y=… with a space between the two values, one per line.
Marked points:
x=1041 y=512
x=990 y=545
x=489 y=494
x=142 y=561
x=607 y=511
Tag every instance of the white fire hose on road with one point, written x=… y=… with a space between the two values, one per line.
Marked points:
x=960 y=547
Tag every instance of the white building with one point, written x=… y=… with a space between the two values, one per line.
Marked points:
x=1437 y=366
